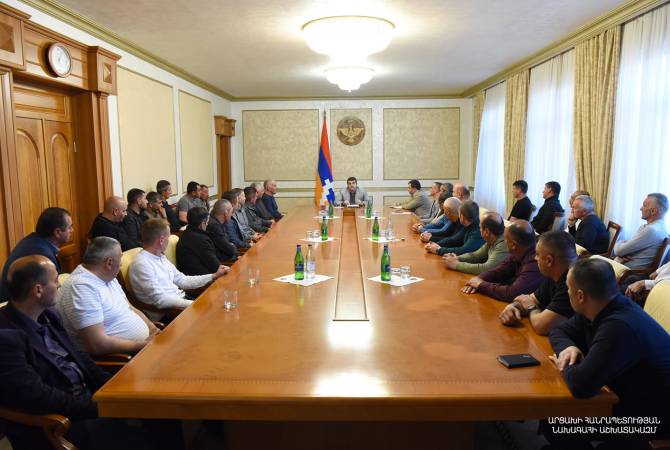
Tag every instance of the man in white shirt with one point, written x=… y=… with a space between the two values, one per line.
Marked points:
x=663 y=273
x=639 y=251
x=155 y=280
x=94 y=308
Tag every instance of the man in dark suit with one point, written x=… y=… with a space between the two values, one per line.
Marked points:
x=164 y=188
x=589 y=231
x=260 y=206
x=42 y=372
x=110 y=223
x=53 y=229
x=221 y=213
x=196 y=254
x=136 y=215
x=544 y=220
x=269 y=199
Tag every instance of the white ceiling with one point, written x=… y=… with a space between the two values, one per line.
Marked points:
x=254 y=48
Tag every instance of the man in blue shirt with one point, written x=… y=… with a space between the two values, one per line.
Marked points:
x=269 y=199
x=53 y=229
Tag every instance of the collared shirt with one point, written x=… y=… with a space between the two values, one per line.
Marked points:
x=85 y=300
x=663 y=273
x=643 y=246
x=61 y=356
x=513 y=277
x=353 y=198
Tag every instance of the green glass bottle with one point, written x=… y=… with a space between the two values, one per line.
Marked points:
x=375 y=230
x=386 y=264
x=331 y=210
x=299 y=263
x=324 y=229
x=368 y=209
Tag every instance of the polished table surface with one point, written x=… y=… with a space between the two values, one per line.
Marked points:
x=344 y=349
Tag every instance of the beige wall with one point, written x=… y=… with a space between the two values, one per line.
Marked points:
x=196 y=124
x=146 y=131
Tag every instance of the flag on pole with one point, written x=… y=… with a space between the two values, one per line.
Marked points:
x=324 y=191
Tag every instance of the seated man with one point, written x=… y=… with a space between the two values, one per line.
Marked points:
x=641 y=249
x=461 y=192
x=571 y=219
x=241 y=217
x=588 y=230
x=53 y=229
x=222 y=211
x=189 y=200
x=110 y=223
x=610 y=341
x=260 y=206
x=449 y=226
x=544 y=220
x=42 y=371
x=493 y=252
x=448 y=189
x=523 y=208
x=352 y=194
x=515 y=276
x=164 y=189
x=94 y=308
x=435 y=206
x=256 y=223
x=269 y=201
x=549 y=305
x=467 y=239
x=135 y=217
x=436 y=222
x=663 y=273
x=418 y=203
x=155 y=208
x=237 y=231
x=155 y=280
x=196 y=254
x=203 y=195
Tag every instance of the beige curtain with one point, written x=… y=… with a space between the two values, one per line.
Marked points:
x=478 y=109
x=516 y=106
x=596 y=68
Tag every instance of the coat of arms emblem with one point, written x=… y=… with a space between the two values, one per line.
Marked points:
x=350 y=130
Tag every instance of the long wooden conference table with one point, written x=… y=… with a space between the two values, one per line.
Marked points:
x=348 y=362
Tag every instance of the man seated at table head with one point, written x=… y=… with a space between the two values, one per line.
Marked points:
x=418 y=203
x=164 y=189
x=222 y=212
x=588 y=230
x=516 y=275
x=110 y=223
x=196 y=253
x=259 y=205
x=135 y=216
x=352 y=194
x=467 y=239
x=232 y=226
x=155 y=280
x=493 y=252
x=639 y=251
x=94 y=308
x=523 y=208
x=435 y=205
x=448 y=226
x=256 y=222
x=461 y=192
x=189 y=200
x=612 y=342
x=203 y=195
x=549 y=305
x=268 y=199
x=544 y=220
x=53 y=229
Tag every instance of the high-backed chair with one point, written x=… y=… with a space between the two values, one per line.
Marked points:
x=653 y=267
x=658 y=304
x=614 y=229
x=54 y=426
x=559 y=221
x=171 y=250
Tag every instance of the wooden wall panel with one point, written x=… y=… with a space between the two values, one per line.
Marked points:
x=38 y=102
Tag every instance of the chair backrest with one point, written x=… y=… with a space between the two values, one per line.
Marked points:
x=171 y=250
x=658 y=306
x=660 y=255
x=619 y=269
x=62 y=278
x=614 y=229
x=559 y=221
x=126 y=258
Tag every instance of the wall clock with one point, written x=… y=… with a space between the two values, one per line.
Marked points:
x=60 y=60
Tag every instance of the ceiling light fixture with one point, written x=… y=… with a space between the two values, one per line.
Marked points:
x=349 y=78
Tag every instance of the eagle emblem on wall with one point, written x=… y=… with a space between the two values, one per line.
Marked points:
x=350 y=130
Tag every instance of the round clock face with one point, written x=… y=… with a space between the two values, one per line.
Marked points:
x=59 y=60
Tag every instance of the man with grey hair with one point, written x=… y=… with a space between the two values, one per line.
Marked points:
x=94 y=308
x=639 y=251
x=260 y=206
x=588 y=230
x=221 y=213
x=269 y=201
x=449 y=225
x=467 y=239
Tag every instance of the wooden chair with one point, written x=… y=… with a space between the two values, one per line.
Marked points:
x=657 y=304
x=651 y=268
x=559 y=221
x=54 y=426
x=614 y=229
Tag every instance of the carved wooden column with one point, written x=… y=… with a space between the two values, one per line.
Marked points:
x=224 y=129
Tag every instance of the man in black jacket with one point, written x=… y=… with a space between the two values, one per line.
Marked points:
x=196 y=254
x=544 y=220
x=588 y=230
x=222 y=211
x=136 y=215
x=260 y=205
x=523 y=208
x=164 y=188
x=256 y=222
x=42 y=371
x=110 y=223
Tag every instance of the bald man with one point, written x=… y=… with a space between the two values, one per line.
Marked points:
x=110 y=223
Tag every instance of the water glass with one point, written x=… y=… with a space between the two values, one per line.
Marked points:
x=395 y=273
x=254 y=276
x=229 y=300
x=309 y=235
x=316 y=235
x=405 y=272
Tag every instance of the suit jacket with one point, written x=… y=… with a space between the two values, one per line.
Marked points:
x=225 y=250
x=105 y=227
x=544 y=219
x=30 y=379
x=360 y=196
x=255 y=221
x=235 y=234
x=196 y=254
x=33 y=244
x=419 y=204
x=132 y=223
x=271 y=205
x=262 y=211
x=591 y=234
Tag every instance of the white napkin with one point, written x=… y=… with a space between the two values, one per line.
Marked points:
x=318 y=240
x=291 y=279
x=396 y=280
x=382 y=240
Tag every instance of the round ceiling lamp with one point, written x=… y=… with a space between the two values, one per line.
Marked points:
x=348 y=38
x=349 y=78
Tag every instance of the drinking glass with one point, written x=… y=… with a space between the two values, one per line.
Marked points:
x=229 y=300
x=316 y=235
x=309 y=235
x=254 y=276
x=395 y=272
x=405 y=272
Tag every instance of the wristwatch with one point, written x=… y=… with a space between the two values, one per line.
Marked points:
x=530 y=308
